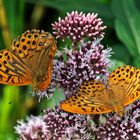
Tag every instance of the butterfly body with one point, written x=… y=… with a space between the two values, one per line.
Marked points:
x=114 y=102
x=95 y=97
x=41 y=81
x=29 y=60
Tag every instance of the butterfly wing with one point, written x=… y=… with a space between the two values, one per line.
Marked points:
x=126 y=79
x=12 y=70
x=94 y=98
x=36 y=49
x=30 y=60
x=91 y=98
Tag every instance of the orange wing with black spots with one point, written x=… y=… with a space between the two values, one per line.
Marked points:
x=94 y=97
x=29 y=60
x=126 y=78
x=13 y=71
x=88 y=99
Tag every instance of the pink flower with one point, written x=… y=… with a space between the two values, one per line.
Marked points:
x=78 y=26
x=53 y=125
x=90 y=62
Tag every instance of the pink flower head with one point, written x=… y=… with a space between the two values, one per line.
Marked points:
x=89 y=63
x=78 y=26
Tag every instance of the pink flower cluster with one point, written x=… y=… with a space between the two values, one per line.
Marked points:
x=78 y=26
x=90 y=62
x=53 y=125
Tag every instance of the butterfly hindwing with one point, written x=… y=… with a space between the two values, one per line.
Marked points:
x=87 y=100
x=31 y=57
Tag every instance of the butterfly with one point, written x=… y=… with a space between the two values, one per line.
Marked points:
x=94 y=97
x=29 y=60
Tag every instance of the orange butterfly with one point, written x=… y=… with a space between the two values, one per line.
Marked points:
x=29 y=60
x=94 y=97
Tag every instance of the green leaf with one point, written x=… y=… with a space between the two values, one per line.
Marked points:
x=125 y=36
x=7 y=108
x=120 y=52
x=57 y=97
x=127 y=24
x=14 y=13
x=137 y=61
x=2 y=45
x=101 y=7
x=116 y=63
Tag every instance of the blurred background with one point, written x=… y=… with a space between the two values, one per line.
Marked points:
x=121 y=17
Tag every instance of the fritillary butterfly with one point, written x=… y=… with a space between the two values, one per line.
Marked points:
x=29 y=60
x=94 y=97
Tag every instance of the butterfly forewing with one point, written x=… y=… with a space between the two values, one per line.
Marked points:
x=33 y=47
x=31 y=55
x=134 y=90
x=126 y=80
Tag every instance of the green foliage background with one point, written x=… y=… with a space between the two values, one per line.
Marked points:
x=122 y=18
